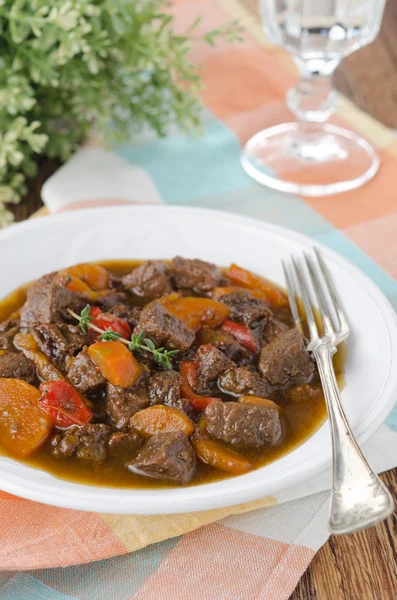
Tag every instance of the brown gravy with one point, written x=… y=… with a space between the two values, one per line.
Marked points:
x=301 y=420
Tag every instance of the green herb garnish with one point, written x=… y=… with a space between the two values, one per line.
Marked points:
x=138 y=343
x=161 y=355
x=84 y=318
x=109 y=335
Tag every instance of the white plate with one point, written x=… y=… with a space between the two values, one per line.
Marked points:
x=36 y=247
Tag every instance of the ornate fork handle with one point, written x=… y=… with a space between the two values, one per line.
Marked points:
x=358 y=497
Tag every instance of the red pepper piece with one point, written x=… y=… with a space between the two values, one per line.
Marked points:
x=104 y=320
x=188 y=373
x=242 y=334
x=63 y=404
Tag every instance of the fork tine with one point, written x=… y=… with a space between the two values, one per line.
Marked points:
x=322 y=301
x=302 y=283
x=292 y=295
x=343 y=324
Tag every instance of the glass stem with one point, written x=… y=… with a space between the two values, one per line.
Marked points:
x=313 y=100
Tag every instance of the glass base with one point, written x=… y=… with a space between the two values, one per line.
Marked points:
x=309 y=159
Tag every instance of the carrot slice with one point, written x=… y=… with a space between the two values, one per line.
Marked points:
x=238 y=276
x=23 y=425
x=198 y=312
x=95 y=276
x=217 y=455
x=259 y=401
x=116 y=362
x=46 y=370
x=160 y=418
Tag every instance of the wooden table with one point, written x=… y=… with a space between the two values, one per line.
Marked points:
x=361 y=566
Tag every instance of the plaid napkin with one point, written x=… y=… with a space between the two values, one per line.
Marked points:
x=257 y=550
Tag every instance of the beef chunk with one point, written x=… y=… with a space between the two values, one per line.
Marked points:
x=189 y=354
x=12 y=321
x=285 y=361
x=75 y=339
x=165 y=388
x=301 y=393
x=87 y=443
x=166 y=456
x=227 y=343
x=58 y=341
x=125 y=445
x=195 y=274
x=17 y=366
x=48 y=300
x=113 y=298
x=212 y=362
x=85 y=375
x=115 y=282
x=243 y=425
x=163 y=328
x=8 y=329
x=122 y=403
x=267 y=330
x=150 y=280
x=245 y=308
x=241 y=381
x=184 y=405
x=7 y=337
x=130 y=314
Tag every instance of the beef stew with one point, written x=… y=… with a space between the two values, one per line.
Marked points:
x=153 y=373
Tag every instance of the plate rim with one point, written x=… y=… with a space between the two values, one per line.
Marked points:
x=209 y=499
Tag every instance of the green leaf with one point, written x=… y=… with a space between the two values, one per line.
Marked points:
x=121 y=65
x=149 y=344
x=109 y=335
x=194 y=25
x=140 y=337
x=134 y=340
x=85 y=312
x=158 y=358
x=19 y=30
x=85 y=318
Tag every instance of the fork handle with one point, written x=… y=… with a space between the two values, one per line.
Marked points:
x=359 y=499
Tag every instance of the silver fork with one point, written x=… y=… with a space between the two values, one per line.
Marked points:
x=358 y=497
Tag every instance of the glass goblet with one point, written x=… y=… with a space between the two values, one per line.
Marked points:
x=311 y=156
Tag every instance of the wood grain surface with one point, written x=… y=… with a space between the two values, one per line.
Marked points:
x=361 y=566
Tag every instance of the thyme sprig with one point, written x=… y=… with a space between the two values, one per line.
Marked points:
x=138 y=343
x=161 y=356
x=84 y=318
x=109 y=335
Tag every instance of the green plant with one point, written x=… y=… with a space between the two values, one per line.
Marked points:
x=66 y=65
